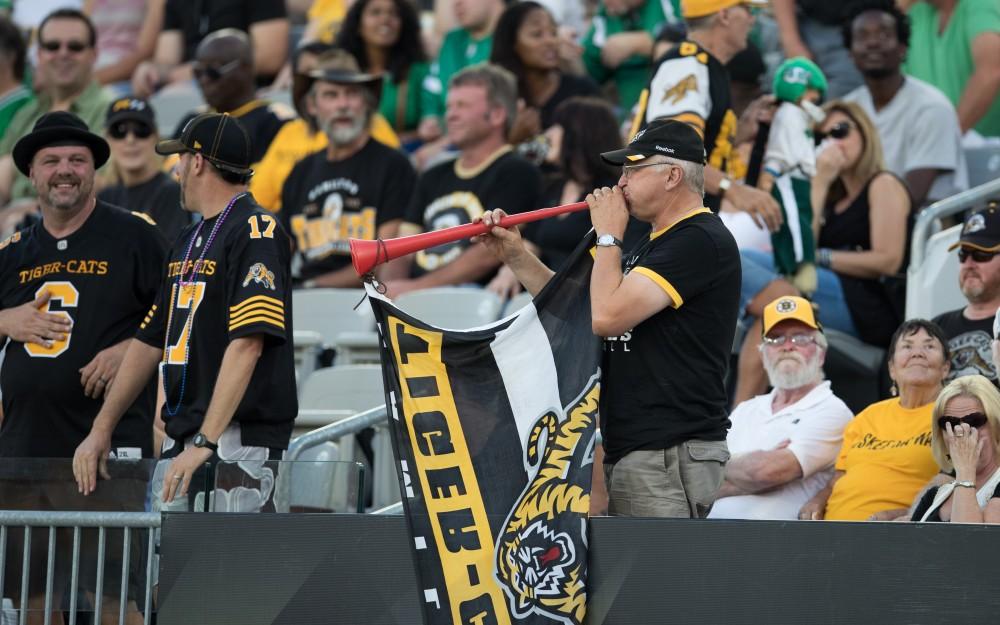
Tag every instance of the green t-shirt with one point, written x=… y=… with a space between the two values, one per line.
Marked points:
x=633 y=74
x=458 y=51
x=10 y=104
x=91 y=106
x=412 y=111
x=945 y=60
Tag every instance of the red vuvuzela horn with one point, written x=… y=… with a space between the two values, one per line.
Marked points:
x=365 y=255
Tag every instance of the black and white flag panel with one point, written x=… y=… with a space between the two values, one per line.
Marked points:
x=494 y=431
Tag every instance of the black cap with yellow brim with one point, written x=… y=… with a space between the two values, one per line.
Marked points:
x=662 y=137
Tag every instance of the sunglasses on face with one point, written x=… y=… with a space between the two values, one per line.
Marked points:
x=72 y=46
x=973 y=420
x=978 y=256
x=121 y=129
x=840 y=130
x=796 y=339
x=214 y=73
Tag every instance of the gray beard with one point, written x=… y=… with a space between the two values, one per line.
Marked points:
x=341 y=136
x=802 y=375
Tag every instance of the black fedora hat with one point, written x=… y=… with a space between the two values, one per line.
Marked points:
x=56 y=129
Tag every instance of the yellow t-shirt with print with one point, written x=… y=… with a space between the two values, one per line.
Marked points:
x=294 y=142
x=886 y=457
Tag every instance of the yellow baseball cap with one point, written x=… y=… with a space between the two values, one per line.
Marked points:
x=701 y=8
x=788 y=307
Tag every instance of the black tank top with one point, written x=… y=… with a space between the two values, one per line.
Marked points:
x=876 y=304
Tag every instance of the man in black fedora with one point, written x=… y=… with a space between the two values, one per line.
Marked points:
x=220 y=333
x=667 y=310
x=73 y=289
x=356 y=187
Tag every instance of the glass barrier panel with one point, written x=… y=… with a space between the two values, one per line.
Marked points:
x=288 y=486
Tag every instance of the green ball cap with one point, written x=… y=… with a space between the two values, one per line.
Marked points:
x=794 y=76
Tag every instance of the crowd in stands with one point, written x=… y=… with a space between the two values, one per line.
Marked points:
x=383 y=118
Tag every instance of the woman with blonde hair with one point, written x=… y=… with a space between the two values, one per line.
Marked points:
x=862 y=224
x=965 y=441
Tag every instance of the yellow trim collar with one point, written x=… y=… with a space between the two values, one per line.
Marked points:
x=472 y=172
x=697 y=211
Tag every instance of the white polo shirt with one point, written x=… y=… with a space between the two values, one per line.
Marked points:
x=814 y=425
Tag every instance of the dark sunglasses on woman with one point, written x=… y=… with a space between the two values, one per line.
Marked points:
x=973 y=420
x=978 y=256
x=839 y=131
x=120 y=130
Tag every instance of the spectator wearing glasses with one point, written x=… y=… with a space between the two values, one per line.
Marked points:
x=916 y=123
x=66 y=56
x=224 y=69
x=861 y=225
x=886 y=455
x=965 y=441
x=970 y=329
x=142 y=186
x=784 y=443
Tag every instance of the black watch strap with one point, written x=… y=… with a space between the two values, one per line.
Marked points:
x=200 y=440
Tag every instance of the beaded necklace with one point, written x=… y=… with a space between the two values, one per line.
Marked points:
x=179 y=284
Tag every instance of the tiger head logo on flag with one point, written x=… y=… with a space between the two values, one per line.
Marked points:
x=537 y=557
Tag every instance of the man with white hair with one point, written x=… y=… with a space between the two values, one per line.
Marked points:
x=784 y=443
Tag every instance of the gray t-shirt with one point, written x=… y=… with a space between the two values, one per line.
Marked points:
x=919 y=130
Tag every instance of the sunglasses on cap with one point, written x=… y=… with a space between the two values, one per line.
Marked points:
x=839 y=131
x=71 y=45
x=214 y=73
x=973 y=420
x=120 y=130
x=978 y=256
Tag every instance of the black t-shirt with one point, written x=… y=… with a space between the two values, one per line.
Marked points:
x=159 y=197
x=971 y=344
x=324 y=203
x=445 y=198
x=240 y=289
x=928 y=500
x=197 y=18
x=664 y=379
x=557 y=237
x=829 y=13
x=103 y=277
x=261 y=119
x=569 y=85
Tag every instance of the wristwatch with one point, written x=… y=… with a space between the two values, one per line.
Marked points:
x=724 y=185
x=608 y=240
x=200 y=440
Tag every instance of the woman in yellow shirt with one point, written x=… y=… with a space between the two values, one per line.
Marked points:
x=886 y=455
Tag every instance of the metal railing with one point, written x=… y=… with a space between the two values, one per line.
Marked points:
x=944 y=208
x=102 y=521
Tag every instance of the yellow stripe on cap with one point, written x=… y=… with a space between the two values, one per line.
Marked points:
x=635 y=157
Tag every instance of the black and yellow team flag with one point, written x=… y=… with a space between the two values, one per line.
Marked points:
x=494 y=431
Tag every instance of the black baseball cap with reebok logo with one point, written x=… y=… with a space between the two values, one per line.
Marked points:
x=220 y=138
x=981 y=231
x=662 y=137
x=130 y=108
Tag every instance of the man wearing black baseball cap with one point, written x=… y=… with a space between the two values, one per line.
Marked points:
x=220 y=331
x=668 y=309
x=970 y=328
x=143 y=186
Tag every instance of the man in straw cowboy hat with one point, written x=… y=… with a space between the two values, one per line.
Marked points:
x=355 y=188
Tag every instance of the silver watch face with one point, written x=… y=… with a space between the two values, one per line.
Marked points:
x=606 y=240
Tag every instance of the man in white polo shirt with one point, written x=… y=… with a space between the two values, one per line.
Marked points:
x=784 y=443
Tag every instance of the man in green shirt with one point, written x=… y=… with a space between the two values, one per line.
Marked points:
x=13 y=92
x=619 y=44
x=66 y=56
x=955 y=46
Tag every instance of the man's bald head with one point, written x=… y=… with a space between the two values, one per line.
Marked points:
x=224 y=69
x=230 y=43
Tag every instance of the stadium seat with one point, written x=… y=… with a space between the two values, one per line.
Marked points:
x=984 y=164
x=172 y=104
x=932 y=284
x=345 y=387
x=856 y=370
x=454 y=308
x=330 y=313
x=516 y=303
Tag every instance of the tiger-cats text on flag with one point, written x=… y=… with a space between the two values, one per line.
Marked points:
x=494 y=431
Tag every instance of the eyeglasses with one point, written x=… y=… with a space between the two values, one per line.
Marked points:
x=973 y=420
x=214 y=73
x=627 y=170
x=978 y=256
x=120 y=130
x=800 y=340
x=72 y=45
x=840 y=130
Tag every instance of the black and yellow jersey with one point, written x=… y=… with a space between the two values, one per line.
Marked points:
x=240 y=287
x=261 y=119
x=103 y=277
x=691 y=85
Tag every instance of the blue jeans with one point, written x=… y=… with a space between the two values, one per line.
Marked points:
x=758 y=272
